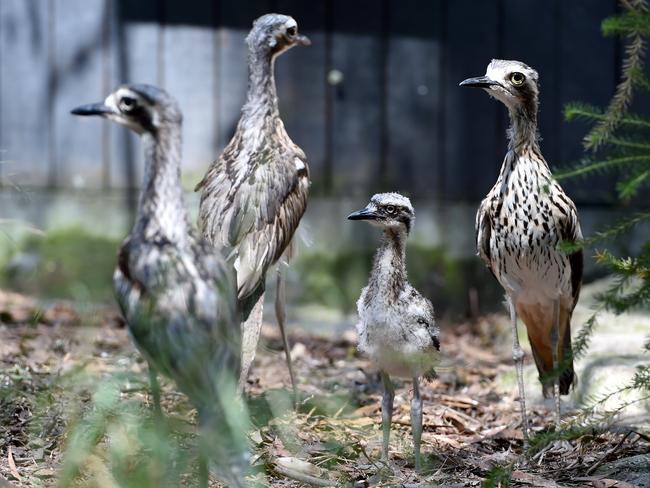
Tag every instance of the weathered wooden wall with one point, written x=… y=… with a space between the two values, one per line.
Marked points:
x=396 y=121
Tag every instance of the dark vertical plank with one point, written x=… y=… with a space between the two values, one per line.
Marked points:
x=587 y=75
x=108 y=63
x=78 y=73
x=531 y=35
x=356 y=102
x=24 y=96
x=472 y=151
x=188 y=57
x=414 y=81
x=300 y=77
x=138 y=46
x=236 y=20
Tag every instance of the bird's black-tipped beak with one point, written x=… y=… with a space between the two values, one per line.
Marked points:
x=92 y=109
x=364 y=214
x=479 y=82
x=303 y=40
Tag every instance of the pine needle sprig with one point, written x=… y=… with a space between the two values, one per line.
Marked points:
x=584 y=111
x=588 y=167
x=634 y=24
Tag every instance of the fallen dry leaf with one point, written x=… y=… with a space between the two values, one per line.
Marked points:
x=12 y=464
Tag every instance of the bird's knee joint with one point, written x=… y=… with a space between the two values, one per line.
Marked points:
x=517 y=354
x=416 y=407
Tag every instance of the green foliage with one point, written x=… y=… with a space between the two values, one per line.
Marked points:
x=634 y=21
x=68 y=263
x=498 y=477
x=122 y=440
x=619 y=142
x=631 y=288
x=333 y=279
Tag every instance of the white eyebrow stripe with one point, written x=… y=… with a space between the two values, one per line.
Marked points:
x=110 y=102
x=300 y=165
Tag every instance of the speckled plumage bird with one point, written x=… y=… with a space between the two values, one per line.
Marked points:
x=254 y=195
x=396 y=323
x=176 y=293
x=519 y=226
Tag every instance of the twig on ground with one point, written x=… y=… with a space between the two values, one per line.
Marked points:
x=302 y=478
x=595 y=466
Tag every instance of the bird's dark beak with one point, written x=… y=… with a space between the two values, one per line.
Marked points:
x=364 y=214
x=479 y=82
x=92 y=109
x=302 y=40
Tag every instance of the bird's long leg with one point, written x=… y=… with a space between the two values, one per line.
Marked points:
x=251 y=328
x=386 y=412
x=280 y=314
x=518 y=356
x=555 y=339
x=416 y=421
x=155 y=392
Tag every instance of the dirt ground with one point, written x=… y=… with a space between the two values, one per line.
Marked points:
x=471 y=437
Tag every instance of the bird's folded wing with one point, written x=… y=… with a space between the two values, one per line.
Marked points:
x=566 y=215
x=253 y=205
x=484 y=232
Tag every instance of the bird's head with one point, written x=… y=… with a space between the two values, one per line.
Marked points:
x=389 y=211
x=512 y=82
x=275 y=33
x=141 y=108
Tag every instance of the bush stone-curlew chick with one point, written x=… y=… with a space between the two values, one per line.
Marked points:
x=177 y=294
x=396 y=323
x=519 y=226
x=254 y=195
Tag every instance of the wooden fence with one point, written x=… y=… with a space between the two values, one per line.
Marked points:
x=396 y=120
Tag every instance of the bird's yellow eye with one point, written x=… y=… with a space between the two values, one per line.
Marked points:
x=390 y=209
x=517 y=78
x=291 y=31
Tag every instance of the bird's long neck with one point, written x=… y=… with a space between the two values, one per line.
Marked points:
x=522 y=134
x=161 y=212
x=262 y=99
x=524 y=158
x=388 y=274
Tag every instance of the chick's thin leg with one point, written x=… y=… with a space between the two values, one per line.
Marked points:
x=416 y=422
x=386 y=412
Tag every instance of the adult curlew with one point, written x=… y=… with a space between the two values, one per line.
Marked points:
x=254 y=195
x=519 y=226
x=177 y=294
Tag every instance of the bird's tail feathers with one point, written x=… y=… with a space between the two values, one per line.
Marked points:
x=539 y=332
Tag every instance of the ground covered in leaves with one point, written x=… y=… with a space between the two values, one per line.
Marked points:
x=74 y=411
